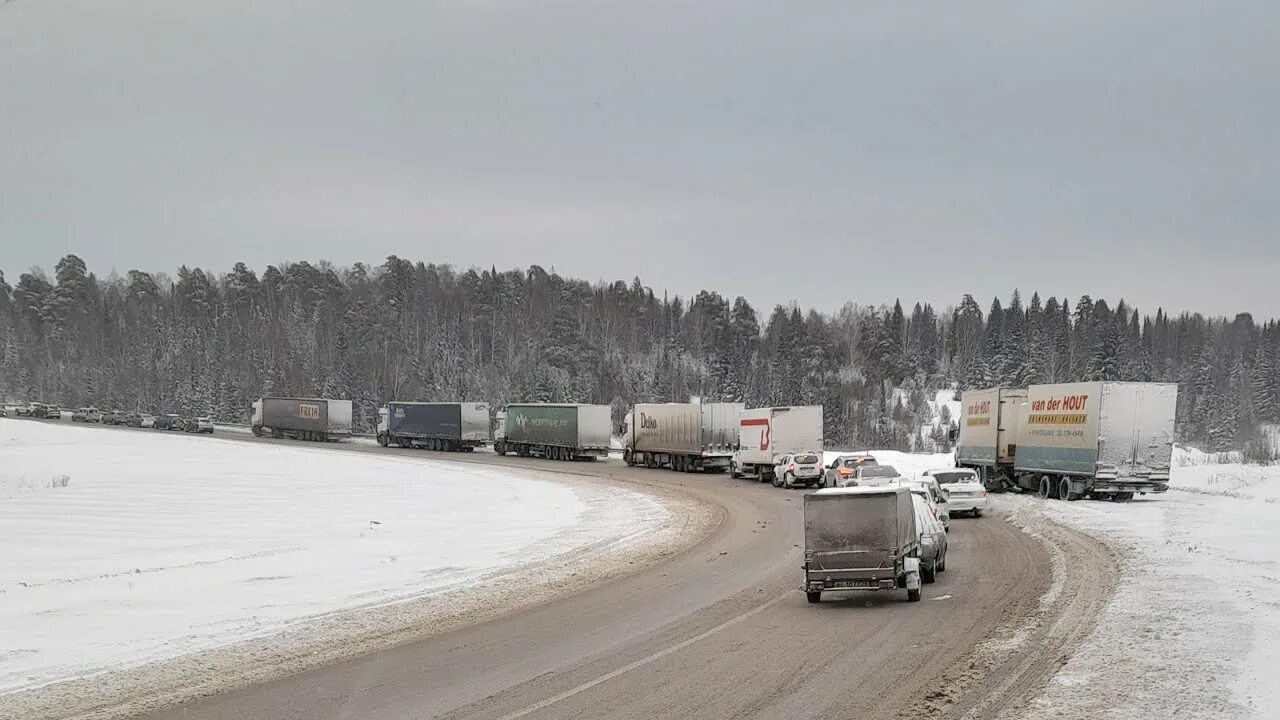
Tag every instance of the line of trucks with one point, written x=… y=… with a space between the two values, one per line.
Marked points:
x=1105 y=440
x=1100 y=440
x=686 y=437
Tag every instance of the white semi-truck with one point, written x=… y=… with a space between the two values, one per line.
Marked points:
x=766 y=434
x=322 y=419
x=1104 y=440
x=686 y=437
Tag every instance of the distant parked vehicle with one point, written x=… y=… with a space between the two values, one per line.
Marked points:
x=965 y=491
x=321 y=419
x=844 y=466
x=143 y=420
x=872 y=476
x=451 y=426
x=557 y=431
x=765 y=434
x=78 y=415
x=799 y=469
x=87 y=415
x=933 y=541
x=52 y=412
x=114 y=417
x=24 y=410
x=167 y=421
x=204 y=424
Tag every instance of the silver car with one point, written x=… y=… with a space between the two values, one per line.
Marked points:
x=933 y=541
x=794 y=469
x=872 y=476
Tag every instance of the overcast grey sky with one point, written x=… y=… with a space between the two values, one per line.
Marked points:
x=819 y=152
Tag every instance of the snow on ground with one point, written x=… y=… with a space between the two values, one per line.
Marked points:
x=1192 y=629
x=123 y=548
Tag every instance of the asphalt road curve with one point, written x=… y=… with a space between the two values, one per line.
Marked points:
x=720 y=631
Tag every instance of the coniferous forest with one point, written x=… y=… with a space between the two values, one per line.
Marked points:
x=202 y=341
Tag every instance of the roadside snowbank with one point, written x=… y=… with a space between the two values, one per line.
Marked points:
x=1191 y=629
x=126 y=548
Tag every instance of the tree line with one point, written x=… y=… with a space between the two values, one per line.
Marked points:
x=201 y=342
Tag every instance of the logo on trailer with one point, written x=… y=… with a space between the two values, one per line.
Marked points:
x=764 y=430
x=309 y=411
x=649 y=423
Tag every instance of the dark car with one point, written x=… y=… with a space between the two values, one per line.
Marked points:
x=168 y=421
x=190 y=424
x=52 y=412
x=132 y=419
x=114 y=417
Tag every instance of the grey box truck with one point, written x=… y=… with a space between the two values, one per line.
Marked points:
x=322 y=419
x=451 y=426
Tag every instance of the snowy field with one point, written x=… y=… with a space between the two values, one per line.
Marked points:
x=1193 y=627
x=123 y=548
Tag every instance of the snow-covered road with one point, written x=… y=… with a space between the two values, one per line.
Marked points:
x=123 y=548
x=1192 y=627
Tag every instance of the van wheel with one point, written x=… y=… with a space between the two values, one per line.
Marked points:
x=913 y=595
x=814 y=597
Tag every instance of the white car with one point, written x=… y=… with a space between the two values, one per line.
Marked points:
x=965 y=492
x=148 y=421
x=804 y=468
x=204 y=424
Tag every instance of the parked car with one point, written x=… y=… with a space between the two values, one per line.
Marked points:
x=204 y=424
x=965 y=491
x=144 y=420
x=24 y=410
x=844 y=466
x=114 y=417
x=872 y=476
x=933 y=495
x=78 y=415
x=167 y=421
x=87 y=415
x=933 y=541
x=798 y=469
x=51 y=412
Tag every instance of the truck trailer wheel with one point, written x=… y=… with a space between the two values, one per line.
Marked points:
x=813 y=597
x=1046 y=487
x=1064 y=490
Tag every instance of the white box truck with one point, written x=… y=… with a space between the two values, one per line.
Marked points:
x=1104 y=440
x=766 y=434
x=989 y=421
x=686 y=437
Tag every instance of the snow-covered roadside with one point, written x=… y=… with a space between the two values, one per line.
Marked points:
x=1190 y=630
x=132 y=548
